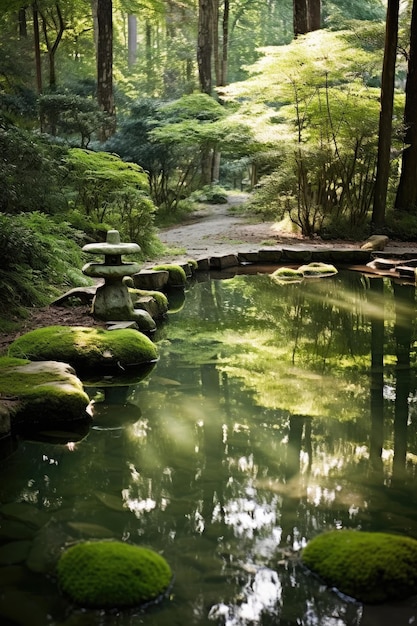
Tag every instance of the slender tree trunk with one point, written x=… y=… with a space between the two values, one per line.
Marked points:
x=205 y=45
x=225 y=45
x=132 y=39
x=52 y=48
x=21 y=19
x=215 y=30
x=385 y=116
x=105 y=66
x=314 y=14
x=406 y=199
x=300 y=17
x=38 y=65
x=95 y=24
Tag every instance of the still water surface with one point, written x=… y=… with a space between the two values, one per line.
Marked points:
x=275 y=412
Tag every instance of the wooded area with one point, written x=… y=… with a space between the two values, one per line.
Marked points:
x=118 y=113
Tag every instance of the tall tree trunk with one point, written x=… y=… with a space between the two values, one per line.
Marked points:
x=385 y=116
x=52 y=48
x=148 y=53
x=95 y=24
x=205 y=45
x=38 y=65
x=215 y=31
x=314 y=14
x=406 y=198
x=132 y=39
x=225 y=44
x=21 y=20
x=300 y=17
x=105 y=66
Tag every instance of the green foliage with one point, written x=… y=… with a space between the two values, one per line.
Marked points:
x=70 y=115
x=111 y=191
x=210 y=194
x=37 y=255
x=315 y=106
x=171 y=140
x=370 y=567
x=30 y=172
x=401 y=225
x=112 y=574
x=86 y=349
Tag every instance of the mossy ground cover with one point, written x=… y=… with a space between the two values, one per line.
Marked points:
x=112 y=574
x=85 y=348
x=370 y=567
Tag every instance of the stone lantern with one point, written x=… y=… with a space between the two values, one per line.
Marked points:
x=112 y=301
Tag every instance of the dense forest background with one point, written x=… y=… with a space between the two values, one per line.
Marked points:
x=122 y=113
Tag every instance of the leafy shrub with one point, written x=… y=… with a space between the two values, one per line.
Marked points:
x=37 y=256
x=211 y=194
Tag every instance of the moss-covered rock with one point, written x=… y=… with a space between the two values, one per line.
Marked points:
x=86 y=349
x=317 y=270
x=154 y=302
x=176 y=275
x=286 y=275
x=41 y=393
x=112 y=574
x=371 y=567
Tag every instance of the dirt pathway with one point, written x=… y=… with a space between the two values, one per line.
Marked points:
x=216 y=229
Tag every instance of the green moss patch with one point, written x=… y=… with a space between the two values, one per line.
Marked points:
x=371 y=567
x=112 y=574
x=86 y=349
x=176 y=274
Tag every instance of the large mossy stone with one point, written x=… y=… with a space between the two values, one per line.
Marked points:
x=370 y=567
x=176 y=275
x=41 y=393
x=112 y=574
x=86 y=349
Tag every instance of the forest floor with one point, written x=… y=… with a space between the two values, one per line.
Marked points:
x=211 y=230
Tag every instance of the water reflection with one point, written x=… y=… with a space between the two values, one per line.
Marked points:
x=273 y=414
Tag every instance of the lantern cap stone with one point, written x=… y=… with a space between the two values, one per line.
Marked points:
x=112 y=245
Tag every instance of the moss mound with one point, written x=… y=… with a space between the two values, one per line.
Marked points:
x=112 y=574
x=371 y=567
x=176 y=275
x=317 y=270
x=86 y=349
x=287 y=275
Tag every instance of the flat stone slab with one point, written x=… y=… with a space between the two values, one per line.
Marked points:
x=223 y=261
x=151 y=279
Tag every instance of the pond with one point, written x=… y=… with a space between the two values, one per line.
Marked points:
x=275 y=412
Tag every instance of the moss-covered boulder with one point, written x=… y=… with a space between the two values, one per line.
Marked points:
x=47 y=392
x=154 y=302
x=176 y=274
x=112 y=574
x=317 y=270
x=371 y=567
x=286 y=275
x=86 y=349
